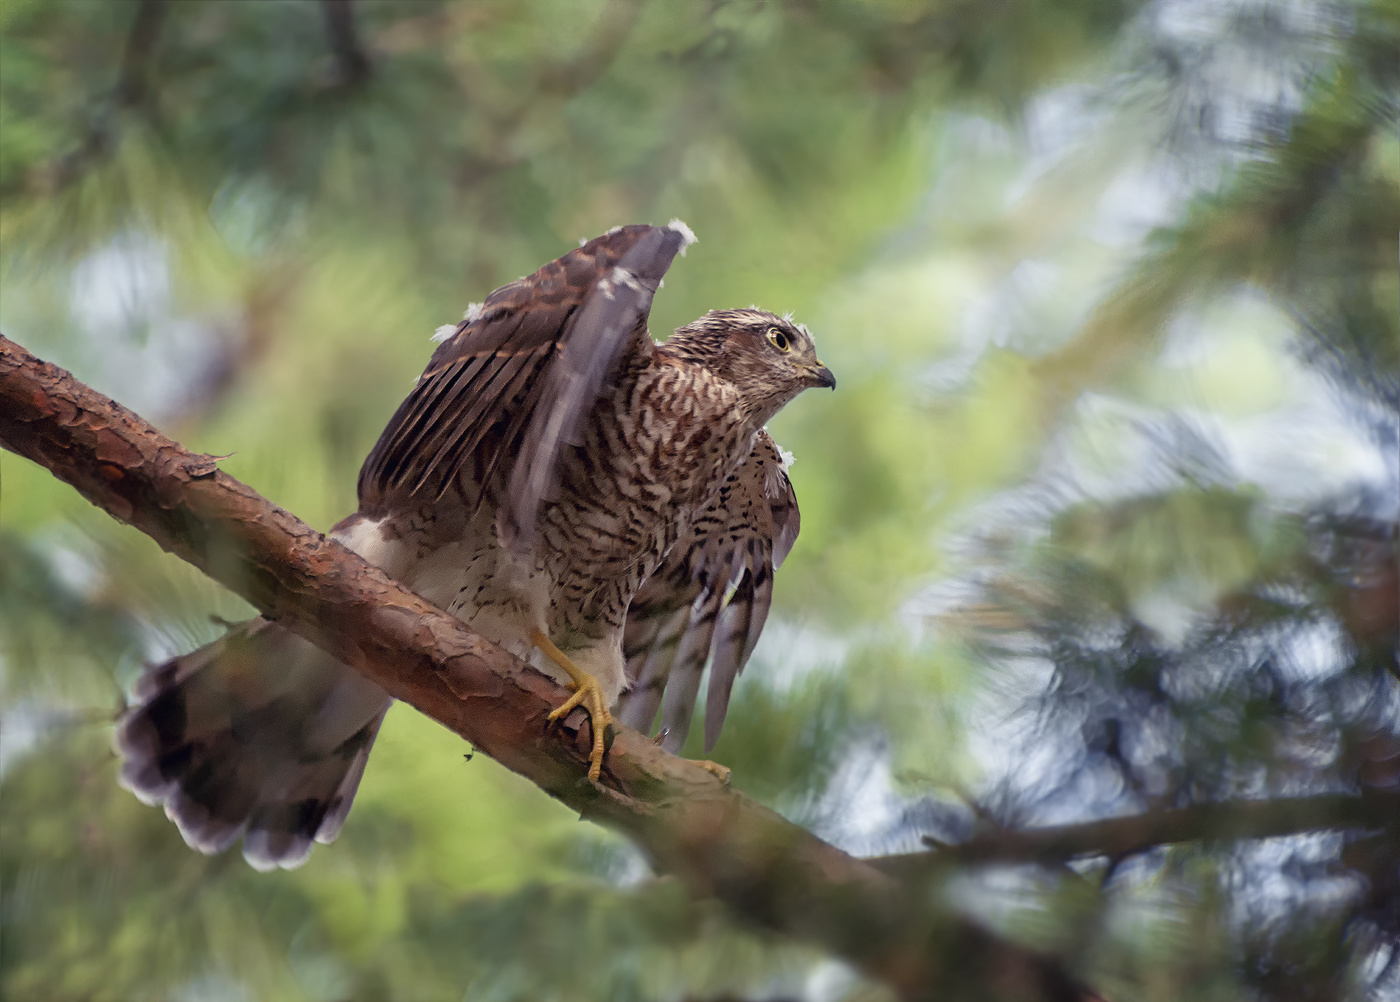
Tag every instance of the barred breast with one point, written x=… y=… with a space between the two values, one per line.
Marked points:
x=652 y=456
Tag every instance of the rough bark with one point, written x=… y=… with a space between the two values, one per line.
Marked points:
x=717 y=841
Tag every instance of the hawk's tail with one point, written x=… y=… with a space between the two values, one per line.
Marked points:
x=259 y=734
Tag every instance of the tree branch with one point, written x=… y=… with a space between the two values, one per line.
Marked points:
x=352 y=62
x=1117 y=837
x=131 y=91
x=133 y=83
x=717 y=841
x=571 y=77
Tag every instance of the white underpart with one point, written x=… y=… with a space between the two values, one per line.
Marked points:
x=365 y=538
x=787 y=458
x=448 y=577
x=687 y=234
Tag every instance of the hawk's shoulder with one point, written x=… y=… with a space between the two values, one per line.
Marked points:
x=517 y=376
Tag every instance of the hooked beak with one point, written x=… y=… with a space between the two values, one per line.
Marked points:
x=820 y=375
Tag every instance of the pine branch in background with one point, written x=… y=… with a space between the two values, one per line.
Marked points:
x=575 y=75
x=131 y=91
x=1256 y=232
x=1368 y=811
x=353 y=65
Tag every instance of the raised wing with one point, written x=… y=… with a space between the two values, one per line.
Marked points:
x=710 y=596
x=518 y=377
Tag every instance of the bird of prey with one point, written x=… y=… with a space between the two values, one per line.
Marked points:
x=609 y=508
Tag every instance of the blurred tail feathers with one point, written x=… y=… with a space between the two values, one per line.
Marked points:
x=258 y=734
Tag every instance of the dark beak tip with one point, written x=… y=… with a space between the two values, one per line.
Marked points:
x=827 y=379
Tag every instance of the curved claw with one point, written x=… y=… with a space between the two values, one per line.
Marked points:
x=589 y=694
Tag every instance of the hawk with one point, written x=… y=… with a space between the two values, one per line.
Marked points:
x=608 y=508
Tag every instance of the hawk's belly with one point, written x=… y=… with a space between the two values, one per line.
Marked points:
x=650 y=458
x=575 y=586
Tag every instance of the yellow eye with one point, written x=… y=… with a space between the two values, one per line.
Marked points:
x=779 y=340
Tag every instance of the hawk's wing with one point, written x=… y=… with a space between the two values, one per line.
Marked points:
x=518 y=378
x=711 y=595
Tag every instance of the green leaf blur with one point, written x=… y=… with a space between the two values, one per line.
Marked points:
x=1077 y=267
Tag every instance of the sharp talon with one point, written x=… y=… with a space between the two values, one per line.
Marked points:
x=588 y=694
x=564 y=708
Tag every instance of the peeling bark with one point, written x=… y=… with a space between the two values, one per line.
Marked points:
x=720 y=843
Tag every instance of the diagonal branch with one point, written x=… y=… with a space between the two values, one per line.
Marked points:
x=720 y=843
x=1369 y=810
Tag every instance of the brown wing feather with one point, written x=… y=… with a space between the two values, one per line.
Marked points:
x=710 y=597
x=555 y=336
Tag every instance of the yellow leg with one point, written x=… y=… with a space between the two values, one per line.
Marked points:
x=587 y=693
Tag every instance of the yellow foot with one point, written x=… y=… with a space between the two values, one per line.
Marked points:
x=587 y=693
x=720 y=772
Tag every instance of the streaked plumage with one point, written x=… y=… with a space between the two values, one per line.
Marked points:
x=553 y=470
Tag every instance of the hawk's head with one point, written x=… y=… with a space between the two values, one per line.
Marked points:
x=769 y=359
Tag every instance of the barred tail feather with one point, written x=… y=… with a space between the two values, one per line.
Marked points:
x=259 y=734
x=649 y=643
x=689 y=664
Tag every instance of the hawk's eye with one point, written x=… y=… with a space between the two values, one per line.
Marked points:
x=779 y=340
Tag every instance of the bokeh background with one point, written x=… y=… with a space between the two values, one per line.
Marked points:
x=1101 y=520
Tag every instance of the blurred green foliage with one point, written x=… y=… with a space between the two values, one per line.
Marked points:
x=1111 y=292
